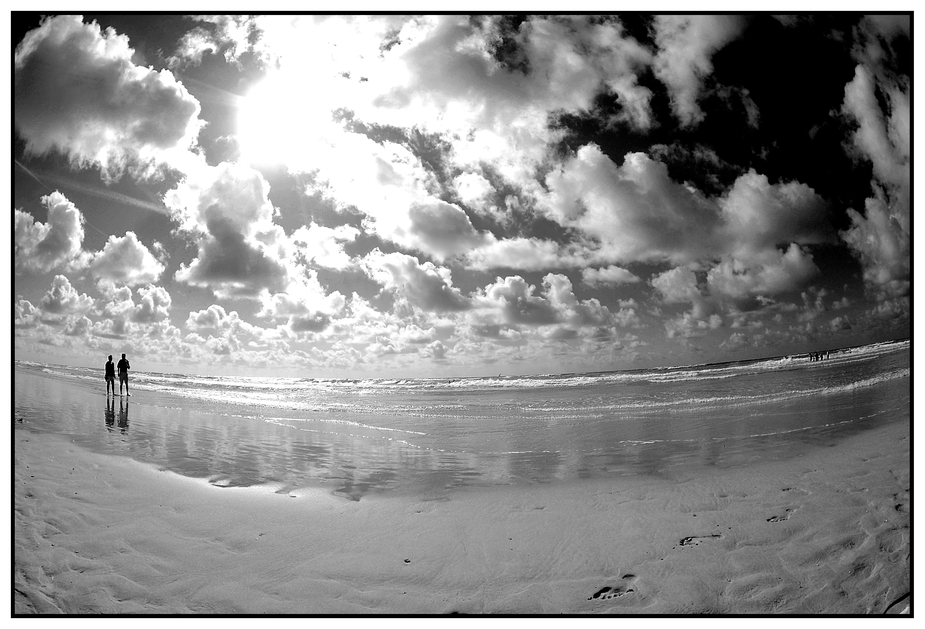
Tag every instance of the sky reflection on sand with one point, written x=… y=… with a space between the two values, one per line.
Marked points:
x=352 y=461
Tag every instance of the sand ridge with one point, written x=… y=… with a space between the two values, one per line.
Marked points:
x=822 y=533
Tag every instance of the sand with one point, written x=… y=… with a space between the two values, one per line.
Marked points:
x=823 y=533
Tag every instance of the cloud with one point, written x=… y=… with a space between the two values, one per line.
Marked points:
x=473 y=189
x=443 y=229
x=607 y=276
x=228 y=35
x=155 y=305
x=78 y=326
x=677 y=285
x=225 y=333
x=424 y=285
x=125 y=260
x=241 y=251
x=758 y=216
x=686 y=45
x=63 y=299
x=881 y=237
x=77 y=91
x=25 y=315
x=768 y=272
x=528 y=254
x=56 y=244
x=304 y=302
x=324 y=246
x=635 y=211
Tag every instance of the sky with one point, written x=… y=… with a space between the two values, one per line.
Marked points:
x=451 y=195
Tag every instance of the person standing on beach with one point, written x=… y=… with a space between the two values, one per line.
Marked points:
x=123 y=375
x=110 y=377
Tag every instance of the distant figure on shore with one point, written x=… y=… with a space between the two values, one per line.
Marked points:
x=123 y=415
x=111 y=409
x=123 y=375
x=110 y=377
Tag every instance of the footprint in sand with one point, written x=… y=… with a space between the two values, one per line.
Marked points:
x=610 y=592
x=695 y=540
x=781 y=518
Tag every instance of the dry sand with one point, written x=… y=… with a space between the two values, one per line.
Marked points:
x=827 y=532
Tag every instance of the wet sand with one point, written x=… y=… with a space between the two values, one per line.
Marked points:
x=825 y=532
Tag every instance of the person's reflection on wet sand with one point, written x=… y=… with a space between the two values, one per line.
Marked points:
x=110 y=413
x=123 y=416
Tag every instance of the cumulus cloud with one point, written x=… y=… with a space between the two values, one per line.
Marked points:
x=686 y=45
x=324 y=246
x=759 y=216
x=24 y=314
x=608 y=276
x=514 y=298
x=47 y=246
x=154 y=305
x=62 y=298
x=241 y=250
x=769 y=272
x=77 y=91
x=124 y=259
x=677 y=285
x=635 y=211
x=226 y=333
x=528 y=254
x=305 y=303
x=424 y=285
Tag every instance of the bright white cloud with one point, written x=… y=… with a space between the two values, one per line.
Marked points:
x=77 y=91
x=759 y=216
x=770 y=272
x=635 y=211
x=53 y=245
x=126 y=260
x=62 y=298
x=324 y=246
x=154 y=305
x=24 y=314
x=608 y=276
x=686 y=45
x=881 y=237
x=304 y=302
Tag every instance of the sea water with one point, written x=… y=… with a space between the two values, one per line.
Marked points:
x=357 y=436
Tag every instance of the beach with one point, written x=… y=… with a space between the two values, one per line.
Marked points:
x=825 y=530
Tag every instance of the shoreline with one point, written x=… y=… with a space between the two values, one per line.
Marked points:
x=826 y=532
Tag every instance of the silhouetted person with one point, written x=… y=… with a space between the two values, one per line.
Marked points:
x=110 y=376
x=111 y=409
x=123 y=375
x=123 y=416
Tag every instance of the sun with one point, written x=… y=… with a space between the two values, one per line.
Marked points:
x=279 y=120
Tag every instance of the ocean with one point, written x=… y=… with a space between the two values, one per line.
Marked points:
x=357 y=437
